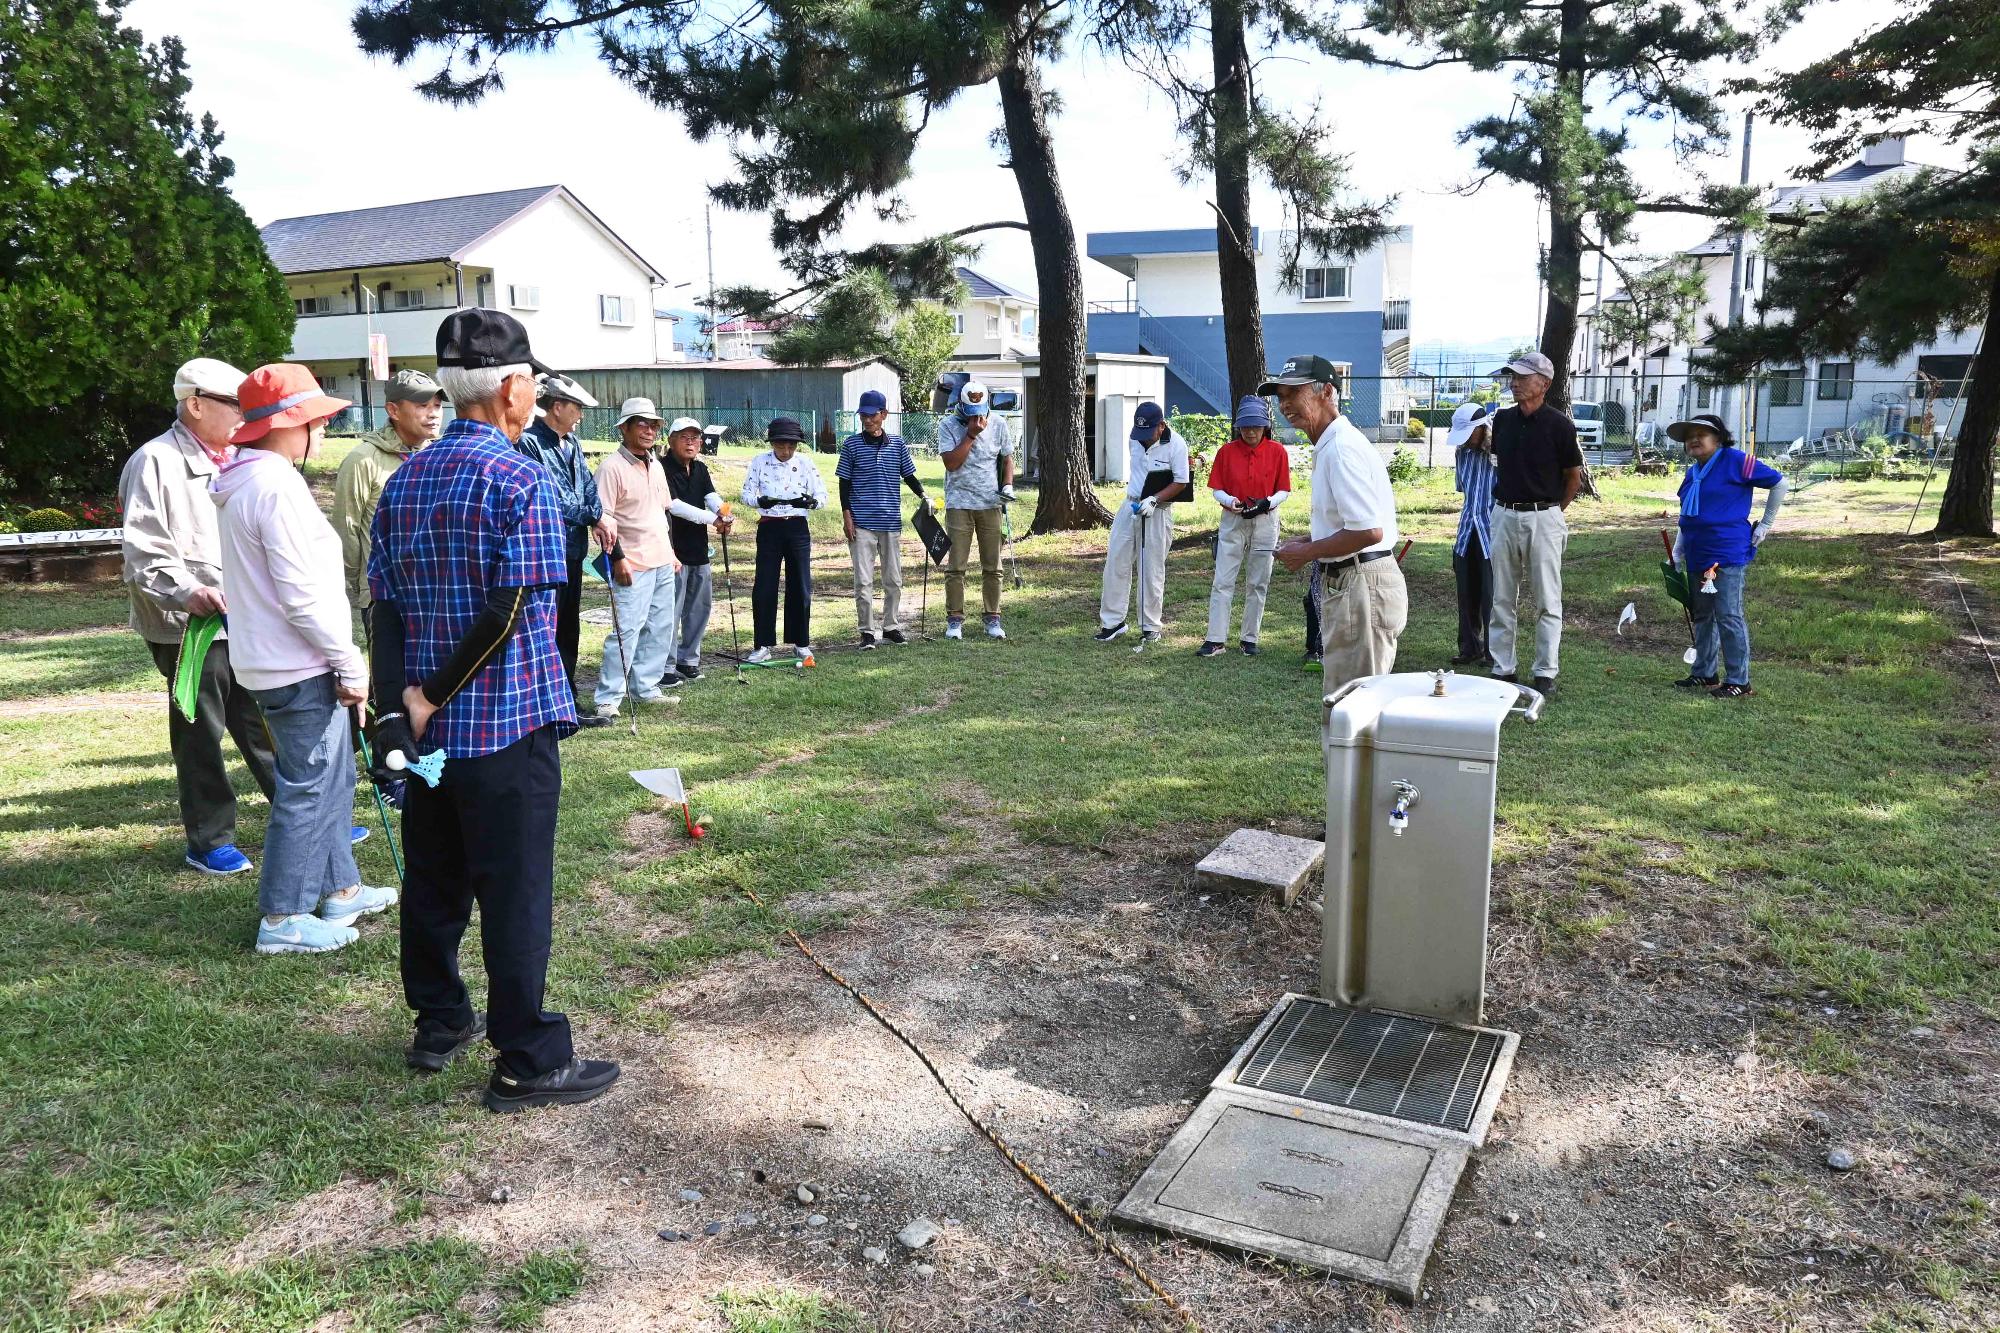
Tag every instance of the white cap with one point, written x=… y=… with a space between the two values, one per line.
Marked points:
x=205 y=374
x=553 y=385
x=683 y=423
x=638 y=407
x=1467 y=418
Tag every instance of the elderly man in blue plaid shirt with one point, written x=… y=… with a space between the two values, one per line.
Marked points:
x=1472 y=551
x=468 y=554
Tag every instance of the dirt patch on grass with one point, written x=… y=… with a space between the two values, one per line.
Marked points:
x=938 y=703
x=81 y=703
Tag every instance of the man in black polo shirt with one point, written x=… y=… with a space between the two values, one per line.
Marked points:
x=1540 y=472
x=694 y=510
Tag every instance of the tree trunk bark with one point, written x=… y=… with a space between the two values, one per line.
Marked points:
x=1067 y=500
x=1967 y=507
x=1565 y=261
x=1236 y=260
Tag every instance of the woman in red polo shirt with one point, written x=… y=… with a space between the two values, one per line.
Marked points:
x=1251 y=477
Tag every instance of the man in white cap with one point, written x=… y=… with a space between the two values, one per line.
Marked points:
x=1538 y=471
x=695 y=510
x=1156 y=472
x=633 y=489
x=173 y=570
x=1364 y=603
x=551 y=441
x=978 y=454
x=415 y=406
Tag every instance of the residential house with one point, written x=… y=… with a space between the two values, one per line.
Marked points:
x=743 y=339
x=586 y=297
x=1354 y=310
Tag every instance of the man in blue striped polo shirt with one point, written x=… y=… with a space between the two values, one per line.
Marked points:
x=1471 y=439
x=872 y=462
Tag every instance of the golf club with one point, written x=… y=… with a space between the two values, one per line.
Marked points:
x=381 y=805
x=1684 y=596
x=729 y=591
x=624 y=652
x=1139 y=578
x=1007 y=541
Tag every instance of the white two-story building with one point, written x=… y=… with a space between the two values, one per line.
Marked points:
x=586 y=297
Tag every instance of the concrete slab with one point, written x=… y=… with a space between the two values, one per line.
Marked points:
x=1263 y=862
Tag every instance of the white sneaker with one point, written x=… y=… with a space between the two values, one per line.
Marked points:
x=368 y=899
x=993 y=630
x=954 y=629
x=759 y=655
x=303 y=933
x=803 y=652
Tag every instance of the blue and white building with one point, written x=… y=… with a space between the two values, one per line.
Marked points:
x=1354 y=310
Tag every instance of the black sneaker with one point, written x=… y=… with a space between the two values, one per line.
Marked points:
x=1510 y=678
x=689 y=672
x=1694 y=682
x=435 y=1047
x=1249 y=647
x=671 y=681
x=1731 y=692
x=1472 y=659
x=1545 y=686
x=867 y=643
x=1107 y=635
x=895 y=636
x=577 y=1081
x=589 y=720
x=1209 y=648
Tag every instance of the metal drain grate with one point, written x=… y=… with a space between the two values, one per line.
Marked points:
x=1407 y=1068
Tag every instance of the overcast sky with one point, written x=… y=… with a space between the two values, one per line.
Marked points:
x=314 y=126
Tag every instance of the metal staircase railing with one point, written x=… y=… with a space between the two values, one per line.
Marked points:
x=1194 y=369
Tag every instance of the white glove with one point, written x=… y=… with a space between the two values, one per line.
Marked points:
x=1007 y=494
x=1147 y=506
x=1759 y=533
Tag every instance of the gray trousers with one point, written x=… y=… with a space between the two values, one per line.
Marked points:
x=208 y=802
x=308 y=846
x=1362 y=611
x=1527 y=555
x=695 y=591
x=866 y=548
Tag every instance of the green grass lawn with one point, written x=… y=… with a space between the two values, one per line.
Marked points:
x=168 y=1088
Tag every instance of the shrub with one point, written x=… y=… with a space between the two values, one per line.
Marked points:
x=1204 y=434
x=6 y=526
x=1405 y=467
x=1414 y=430
x=46 y=520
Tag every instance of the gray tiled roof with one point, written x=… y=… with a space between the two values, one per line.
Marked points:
x=982 y=286
x=396 y=234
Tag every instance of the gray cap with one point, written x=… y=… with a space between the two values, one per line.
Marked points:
x=412 y=386
x=562 y=387
x=1529 y=363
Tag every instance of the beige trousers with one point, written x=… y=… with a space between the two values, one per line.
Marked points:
x=1362 y=611
x=1123 y=553
x=866 y=548
x=1527 y=554
x=1242 y=543
x=962 y=525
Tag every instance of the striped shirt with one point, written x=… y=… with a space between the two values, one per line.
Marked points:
x=876 y=466
x=1474 y=481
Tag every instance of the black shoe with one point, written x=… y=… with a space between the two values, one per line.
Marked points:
x=1249 y=647
x=689 y=672
x=1472 y=659
x=671 y=681
x=867 y=643
x=1209 y=648
x=1694 y=682
x=1313 y=659
x=895 y=636
x=1510 y=678
x=577 y=1081
x=588 y=720
x=1731 y=692
x=1545 y=686
x=1107 y=635
x=435 y=1047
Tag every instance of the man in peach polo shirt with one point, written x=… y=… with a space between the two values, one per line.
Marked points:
x=633 y=491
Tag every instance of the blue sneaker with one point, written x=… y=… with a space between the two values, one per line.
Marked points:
x=367 y=900
x=224 y=860
x=357 y=834
x=303 y=933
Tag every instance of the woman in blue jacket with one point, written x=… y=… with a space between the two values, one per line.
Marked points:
x=1716 y=545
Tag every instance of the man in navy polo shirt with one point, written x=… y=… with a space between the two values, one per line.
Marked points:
x=467 y=556
x=872 y=463
x=1717 y=544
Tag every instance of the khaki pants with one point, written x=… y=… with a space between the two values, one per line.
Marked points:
x=1242 y=543
x=961 y=525
x=865 y=549
x=1122 y=553
x=1362 y=611
x=1527 y=553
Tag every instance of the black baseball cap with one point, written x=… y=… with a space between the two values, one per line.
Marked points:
x=1301 y=370
x=784 y=428
x=482 y=339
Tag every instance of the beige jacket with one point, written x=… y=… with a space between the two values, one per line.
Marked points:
x=171 y=543
x=357 y=489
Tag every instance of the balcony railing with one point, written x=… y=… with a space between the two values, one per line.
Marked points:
x=1395 y=316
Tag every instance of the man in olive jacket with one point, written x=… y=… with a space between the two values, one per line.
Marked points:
x=415 y=404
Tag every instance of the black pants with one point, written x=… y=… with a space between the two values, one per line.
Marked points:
x=1313 y=646
x=569 y=607
x=486 y=834
x=208 y=802
x=1474 y=571
x=786 y=543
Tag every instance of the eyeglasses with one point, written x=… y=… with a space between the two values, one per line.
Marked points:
x=218 y=398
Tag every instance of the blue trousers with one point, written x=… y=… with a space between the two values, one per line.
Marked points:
x=1719 y=627
x=308 y=847
x=649 y=618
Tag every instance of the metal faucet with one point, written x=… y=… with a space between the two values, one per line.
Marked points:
x=1407 y=797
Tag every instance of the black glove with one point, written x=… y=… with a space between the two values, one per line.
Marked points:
x=390 y=734
x=1261 y=507
x=806 y=502
x=768 y=502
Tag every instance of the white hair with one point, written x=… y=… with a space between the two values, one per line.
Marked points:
x=469 y=386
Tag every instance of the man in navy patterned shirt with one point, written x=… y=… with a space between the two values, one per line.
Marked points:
x=466 y=560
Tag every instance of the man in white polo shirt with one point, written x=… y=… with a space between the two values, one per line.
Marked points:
x=1363 y=601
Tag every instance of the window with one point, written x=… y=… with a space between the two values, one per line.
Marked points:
x=614 y=310
x=313 y=305
x=1836 y=381
x=993 y=326
x=958 y=325
x=1950 y=371
x=1704 y=395
x=1027 y=324
x=1327 y=284
x=1788 y=387
x=1652 y=398
x=524 y=298
x=409 y=298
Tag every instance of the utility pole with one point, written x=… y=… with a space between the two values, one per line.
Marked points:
x=708 y=227
x=1736 y=275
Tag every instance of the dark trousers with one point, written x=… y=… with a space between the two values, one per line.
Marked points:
x=569 y=606
x=783 y=543
x=1474 y=572
x=486 y=834
x=208 y=802
x=1313 y=645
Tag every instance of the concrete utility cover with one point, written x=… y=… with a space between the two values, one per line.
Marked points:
x=1267 y=862
x=596 y=615
x=1302 y=1185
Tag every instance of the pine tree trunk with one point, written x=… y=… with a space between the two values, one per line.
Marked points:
x=1565 y=261
x=1067 y=500
x=1967 y=507
x=1242 y=314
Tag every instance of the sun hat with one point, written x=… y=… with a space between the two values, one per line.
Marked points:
x=873 y=400
x=641 y=409
x=1302 y=370
x=1529 y=363
x=782 y=429
x=1679 y=431
x=1253 y=411
x=1146 y=420
x=205 y=374
x=681 y=424
x=968 y=408
x=1467 y=418
x=284 y=394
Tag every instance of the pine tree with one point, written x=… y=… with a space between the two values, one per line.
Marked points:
x=1882 y=274
x=122 y=253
